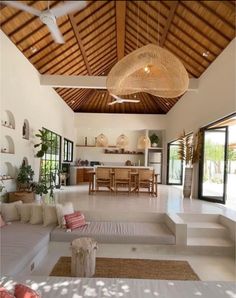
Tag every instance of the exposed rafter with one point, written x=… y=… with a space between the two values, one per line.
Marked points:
x=173 y=8
x=80 y=42
x=120 y=28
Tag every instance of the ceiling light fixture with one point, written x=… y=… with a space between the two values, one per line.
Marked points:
x=205 y=54
x=167 y=75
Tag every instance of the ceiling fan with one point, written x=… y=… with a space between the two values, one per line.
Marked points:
x=121 y=100
x=48 y=16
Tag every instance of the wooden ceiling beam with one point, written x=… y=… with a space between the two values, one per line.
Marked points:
x=206 y=23
x=189 y=24
x=171 y=15
x=106 y=16
x=120 y=28
x=80 y=43
x=212 y=11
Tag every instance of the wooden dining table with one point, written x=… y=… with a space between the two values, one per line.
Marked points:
x=92 y=177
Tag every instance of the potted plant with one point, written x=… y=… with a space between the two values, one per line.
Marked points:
x=189 y=152
x=154 y=140
x=40 y=189
x=25 y=178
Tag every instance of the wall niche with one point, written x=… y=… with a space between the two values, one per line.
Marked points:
x=8 y=146
x=25 y=130
x=8 y=120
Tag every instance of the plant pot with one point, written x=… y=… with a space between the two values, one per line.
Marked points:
x=154 y=144
x=187 y=189
x=38 y=198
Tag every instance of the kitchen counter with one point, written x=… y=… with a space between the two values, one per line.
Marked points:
x=125 y=167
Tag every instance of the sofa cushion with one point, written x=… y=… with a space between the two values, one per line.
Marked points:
x=22 y=291
x=74 y=220
x=2 y=222
x=36 y=216
x=9 y=211
x=62 y=210
x=24 y=212
x=49 y=215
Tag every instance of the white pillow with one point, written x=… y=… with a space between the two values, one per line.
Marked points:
x=36 y=216
x=9 y=211
x=24 y=211
x=49 y=215
x=62 y=210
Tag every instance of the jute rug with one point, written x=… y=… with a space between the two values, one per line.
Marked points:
x=132 y=268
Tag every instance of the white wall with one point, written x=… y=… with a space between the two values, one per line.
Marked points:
x=215 y=98
x=113 y=125
x=22 y=94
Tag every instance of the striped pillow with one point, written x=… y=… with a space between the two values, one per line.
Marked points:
x=74 y=220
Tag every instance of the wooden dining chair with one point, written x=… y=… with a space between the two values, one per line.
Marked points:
x=122 y=177
x=103 y=178
x=146 y=180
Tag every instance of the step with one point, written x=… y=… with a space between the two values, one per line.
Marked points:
x=206 y=242
x=190 y=217
x=207 y=229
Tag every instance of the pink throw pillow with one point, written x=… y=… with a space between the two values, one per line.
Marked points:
x=74 y=220
x=2 y=222
x=22 y=291
x=5 y=294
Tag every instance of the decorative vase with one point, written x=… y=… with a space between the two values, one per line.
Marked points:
x=38 y=198
x=187 y=189
x=154 y=144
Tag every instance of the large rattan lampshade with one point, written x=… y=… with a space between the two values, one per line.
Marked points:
x=150 y=69
x=143 y=142
x=102 y=141
x=122 y=141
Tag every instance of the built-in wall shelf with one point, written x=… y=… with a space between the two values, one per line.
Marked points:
x=5 y=152
x=85 y=146
x=155 y=148
x=127 y=153
x=7 y=125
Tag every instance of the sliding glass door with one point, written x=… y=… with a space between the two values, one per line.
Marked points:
x=175 y=165
x=213 y=164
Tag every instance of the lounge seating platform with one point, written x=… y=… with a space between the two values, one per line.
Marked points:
x=119 y=232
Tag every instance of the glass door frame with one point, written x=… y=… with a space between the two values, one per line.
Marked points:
x=201 y=166
x=168 y=161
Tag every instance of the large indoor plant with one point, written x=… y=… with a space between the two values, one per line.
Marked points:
x=25 y=178
x=189 y=152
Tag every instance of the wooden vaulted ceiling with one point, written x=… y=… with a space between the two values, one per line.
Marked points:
x=102 y=33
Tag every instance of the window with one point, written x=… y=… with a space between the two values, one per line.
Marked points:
x=50 y=162
x=68 y=150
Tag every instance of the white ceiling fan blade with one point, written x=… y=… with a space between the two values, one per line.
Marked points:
x=112 y=103
x=56 y=33
x=130 y=100
x=22 y=6
x=67 y=7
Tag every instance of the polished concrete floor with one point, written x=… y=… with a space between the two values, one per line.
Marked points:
x=170 y=199
x=208 y=267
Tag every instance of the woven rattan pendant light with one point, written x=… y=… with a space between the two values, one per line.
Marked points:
x=122 y=141
x=143 y=142
x=150 y=69
x=102 y=141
